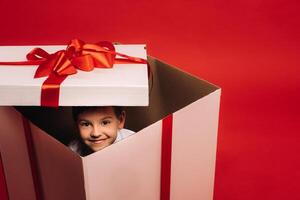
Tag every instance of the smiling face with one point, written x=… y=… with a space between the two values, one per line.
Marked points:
x=98 y=128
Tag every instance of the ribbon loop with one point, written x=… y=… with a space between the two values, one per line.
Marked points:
x=37 y=54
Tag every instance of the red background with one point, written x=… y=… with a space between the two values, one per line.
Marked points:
x=250 y=48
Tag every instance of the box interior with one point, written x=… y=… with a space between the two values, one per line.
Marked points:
x=171 y=90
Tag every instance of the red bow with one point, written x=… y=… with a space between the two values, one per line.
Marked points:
x=78 y=55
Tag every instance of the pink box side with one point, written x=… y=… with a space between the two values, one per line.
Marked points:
x=194 y=149
x=129 y=169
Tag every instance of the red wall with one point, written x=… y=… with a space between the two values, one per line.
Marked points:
x=250 y=48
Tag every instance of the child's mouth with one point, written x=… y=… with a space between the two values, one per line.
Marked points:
x=97 y=141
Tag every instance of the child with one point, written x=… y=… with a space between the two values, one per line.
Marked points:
x=98 y=128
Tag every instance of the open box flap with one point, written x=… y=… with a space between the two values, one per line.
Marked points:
x=14 y=153
x=59 y=169
x=129 y=169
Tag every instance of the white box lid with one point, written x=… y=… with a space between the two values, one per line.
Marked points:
x=122 y=85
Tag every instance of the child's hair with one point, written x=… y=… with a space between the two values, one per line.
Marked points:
x=77 y=110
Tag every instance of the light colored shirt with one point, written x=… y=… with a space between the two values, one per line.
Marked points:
x=123 y=133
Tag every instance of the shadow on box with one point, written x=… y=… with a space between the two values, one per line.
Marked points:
x=171 y=91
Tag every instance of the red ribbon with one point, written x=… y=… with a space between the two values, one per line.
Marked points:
x=166 y=157
x=77 y=56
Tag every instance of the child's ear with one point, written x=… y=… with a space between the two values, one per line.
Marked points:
x=122 y=118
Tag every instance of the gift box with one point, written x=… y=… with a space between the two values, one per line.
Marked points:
x=171 y=156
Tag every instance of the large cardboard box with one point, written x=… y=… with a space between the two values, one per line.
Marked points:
x=172 y=155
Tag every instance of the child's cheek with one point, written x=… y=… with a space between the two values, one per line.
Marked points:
x=84 y=133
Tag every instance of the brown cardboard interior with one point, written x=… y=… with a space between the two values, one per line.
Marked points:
x=172 y=90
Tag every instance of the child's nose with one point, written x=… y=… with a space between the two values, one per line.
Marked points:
x=96 y=132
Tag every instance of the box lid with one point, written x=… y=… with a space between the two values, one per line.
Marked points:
x=122 y=85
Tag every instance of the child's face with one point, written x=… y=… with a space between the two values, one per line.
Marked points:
x=98 y=128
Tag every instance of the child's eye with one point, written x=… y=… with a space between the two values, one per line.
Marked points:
x=84 y=124
x=105 y=122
